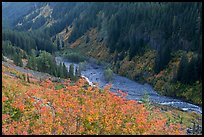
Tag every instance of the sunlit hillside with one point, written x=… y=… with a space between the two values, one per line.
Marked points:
x=34 y=107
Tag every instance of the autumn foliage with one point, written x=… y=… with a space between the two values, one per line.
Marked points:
x=30 y=108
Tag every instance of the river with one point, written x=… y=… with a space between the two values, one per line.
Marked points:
x=94 y=73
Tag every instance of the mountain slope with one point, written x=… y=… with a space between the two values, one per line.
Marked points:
x=12 y=11
x=142 y=41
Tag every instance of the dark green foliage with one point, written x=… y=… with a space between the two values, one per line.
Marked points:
x=24 y=77
x=65 y=72
x=129 y=26
x=28 y=79
x=71 y=71
x=182 y=66
x=78 y=71
x=84 y=23
x=74 y=56
x=189 y=72
x=162 y=59
x=45 y=62
x=9 y=50
x=29 y=40
x=62 y=43
x=17 y=60
x=137 y=48
x=58 y=44
x=58 y=87
x=32 y=62
x=60 y=71
x=127 y=29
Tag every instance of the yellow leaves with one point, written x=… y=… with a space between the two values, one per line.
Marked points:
x=90 y=132
x=90 y=118
x=60 y=129
x=90 y=89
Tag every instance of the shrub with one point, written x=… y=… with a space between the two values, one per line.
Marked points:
x=43 y=109
x=108 y=74
x=82 y=65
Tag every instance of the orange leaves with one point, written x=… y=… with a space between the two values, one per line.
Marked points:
x=18 y=104
x=25 y=133
x=123 y=94
x=4 y=99
x=90 y=119
x=12 y=130
x=79 y=110
x=81 y=82
x=43 y=109
x=90 y=132
x=107 y=87
x=59 y=110
x=5 y=116
x=60 y=129
x=21 y=106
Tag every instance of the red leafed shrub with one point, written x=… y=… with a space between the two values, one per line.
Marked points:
x=42 y=109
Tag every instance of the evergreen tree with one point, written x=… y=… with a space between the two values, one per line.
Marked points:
x=65 y=72
x=28 y=79
x=191 y=73
x=182 y=66
x=78 y=71
x=17 y=60
x=157 y=65
x=62 y=43
x=58 y=44
x=162 y=58
x=71 y=71
x=30 y=62
x=61 y=72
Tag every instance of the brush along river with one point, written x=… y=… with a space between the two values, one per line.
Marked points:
x=94 y=74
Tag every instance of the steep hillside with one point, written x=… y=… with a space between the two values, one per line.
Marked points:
x=12 y=12
x=159 y=43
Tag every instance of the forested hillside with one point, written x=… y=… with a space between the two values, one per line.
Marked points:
x=159 y=43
